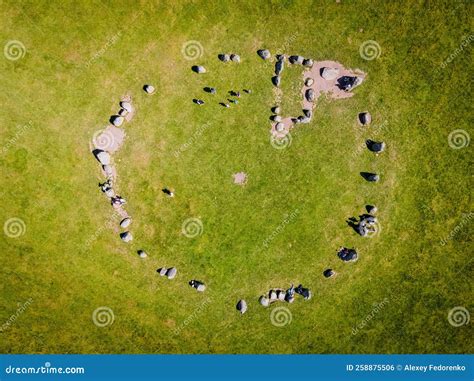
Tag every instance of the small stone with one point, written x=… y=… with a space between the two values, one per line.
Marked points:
x=109 y=193
x=198 y=69
x=235 y=58
x=242 y=306
x=142 y=254
x=365 y=118
x=264 y=301
x=273 y=295
x=279 y=66
x=309 y=82
x=117 y=120
x=371 y=209
x=122 y=112
x=264 y=54
x=281 y=295
x=201 y=287
x=328 y=273
x=308 y=113
x=310 y=95
x=277 y=118
x=126 y=236
x=125 y=222
x=162 y=271
x=276 y=109
x=171 y=273
x=276 y=80
x=308 y=62
x=149 y=89
x=223 y=57
x=126 y=106
x=330 y=73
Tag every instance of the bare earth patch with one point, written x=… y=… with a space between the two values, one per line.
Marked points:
x=240 y=178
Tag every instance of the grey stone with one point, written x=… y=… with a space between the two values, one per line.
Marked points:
x=171 y=273
x=280 y=127
x=199 y=69
x=126 y=106
x=162 y=271
x=264 y=54
x=308 y=112
x=264 y=301
x=309 y=82
x=126 y=236
x=125 y=222
x=224 y=57
x=329 y=73
x=365 y=118
x=142 y=254
x=310 y=95
x=242 y=306
x=235 y=58
x=149 y=89
x=273 y=295
x=108 y=169
x=103 y=157
x=308 y=62
x=276 y=80
x=117 y=120
x=279 y=66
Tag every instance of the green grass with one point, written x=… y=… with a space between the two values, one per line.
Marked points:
x=69 y=263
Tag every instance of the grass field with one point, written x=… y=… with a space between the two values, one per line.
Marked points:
x=81 y=58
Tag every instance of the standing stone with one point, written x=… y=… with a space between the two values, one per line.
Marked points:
x=223 y=57
x=198 y=69
x=117 y=120
x=264 y=54
x=242 y=306
x=330 y=73
x=126 y=236
x=125 y=222
x=310 y=95
x=264 y=301
x=103 y=157
x=171 y=273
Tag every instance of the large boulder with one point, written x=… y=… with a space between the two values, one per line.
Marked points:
x=310 y=95
x=242 y=306
x=264 y=54
x=329 y=73
x=198 y=69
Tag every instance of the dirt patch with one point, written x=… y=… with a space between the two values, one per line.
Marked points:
x=320 y=86
x=240 y=178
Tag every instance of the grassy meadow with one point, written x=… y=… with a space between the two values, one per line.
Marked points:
x=80 y=58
